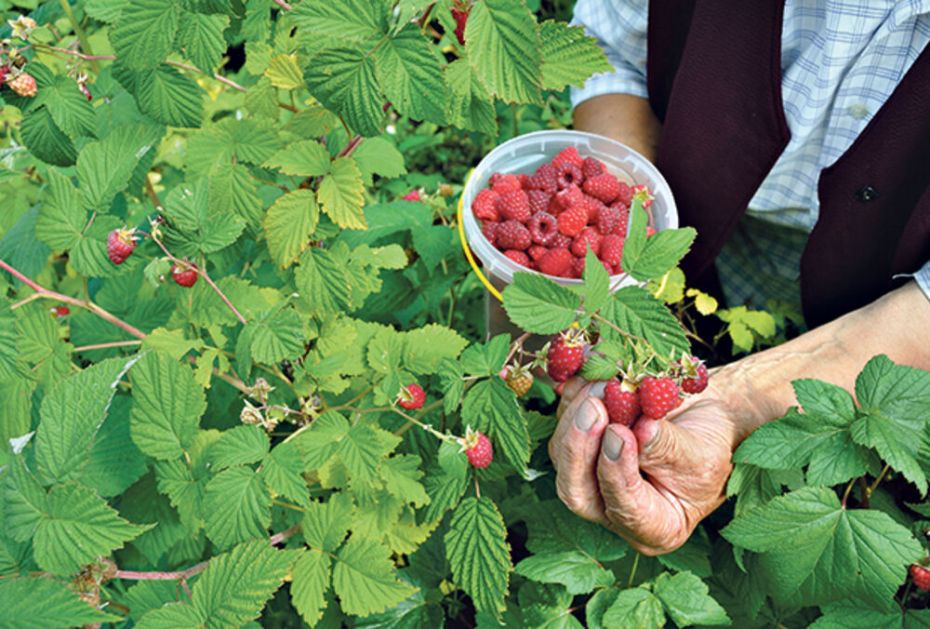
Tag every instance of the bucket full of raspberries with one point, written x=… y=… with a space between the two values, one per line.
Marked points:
x=540 y=200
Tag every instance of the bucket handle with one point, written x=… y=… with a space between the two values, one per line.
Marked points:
x=468 y=254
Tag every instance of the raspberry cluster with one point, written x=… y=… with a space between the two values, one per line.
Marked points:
x=546 y=221
x=634 y=394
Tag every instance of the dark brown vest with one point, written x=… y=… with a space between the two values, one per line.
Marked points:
x=714 y=74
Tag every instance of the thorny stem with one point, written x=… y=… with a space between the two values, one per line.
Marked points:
x=426 y=427
x=183 y=575
x=87 y=305
x=518 y=344
x=351 y=146
x=87 y=348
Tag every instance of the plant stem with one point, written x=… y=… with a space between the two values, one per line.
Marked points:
x=426 y=427
x=849 y=487
x=477 y=489
x=517 y=345
x=629 y=582
x=871 y=488
x=87 y=348
x=87 y=305
x=81 y=35
x=281 y=3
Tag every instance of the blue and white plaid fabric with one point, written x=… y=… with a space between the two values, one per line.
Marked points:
x=840 y=63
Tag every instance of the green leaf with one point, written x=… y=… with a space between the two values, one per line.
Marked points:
x=282 y=469
x=539 y=305
x=24 y=501
x=62 y=216
x=344 y=80
x=234 y=587
x=144 y=34
x=239 y=446
x=201 y=37
x=822 y=551
x=115 y=462
x=341 y=194
x=306 y=158
x=446 y=482
x=635 y=607
x=78 y=527
x=491 y=407
x=569 y=55
x=46 y=140
x=60 y=607
x=896 y=390
x=171 y=342
x=105 y=167
x=651 y=258
x=469 y=105
x=167 y=405
x=289 y=224
x=351 y=19
x=402 y=474
x=408 y=67
x=855 y=615
x=69 y=109
x=284 y=72
x=487 y=359
x=637 y=312
x=426 y=347
x=322 y=279
x=276 y=336
x=478 y=553
x=310 y=582
x=504 y=48
x=578 y=572
x=377 y=156
x=237 y=507
x=172 y=616
x=596 y=283
x=358 y=447
x=71 y=414
x=170 y=97
x=364 y=578
x=686 y=600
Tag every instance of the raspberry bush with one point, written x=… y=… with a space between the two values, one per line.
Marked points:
x=244 y=376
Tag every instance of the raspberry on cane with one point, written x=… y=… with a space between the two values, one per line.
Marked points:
x=622 y=402
x=658 y=396
x=414 y=195
x=24 y=85
x=519 y=379
x=120 y=244
x=694 y=375
x=566 y=355
x=478 y=448
x=184 y=275
x=921 y=577
x=411 y=397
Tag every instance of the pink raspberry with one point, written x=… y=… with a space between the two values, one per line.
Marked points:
x=588 y=237
x=489 y=229
x=612 y=249
x=592 y=167
x=485 y=205
x=539 y=200
x=569 y=198
x=593 y=207
x=573 y=220
x=543 y=228
x=513 y=235
x=536 y=252
x=561 y=241
x=625 y=194
x=505 y=183
x=545 y=178
x=518 y=256
x=603 y=187
x=569 y=155
x=556 y=262
x=514 y=205
x=569 y=175
x=608 y=220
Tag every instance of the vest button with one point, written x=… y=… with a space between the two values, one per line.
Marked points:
x=866 y=194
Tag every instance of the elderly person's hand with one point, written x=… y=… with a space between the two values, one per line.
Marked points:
x=651 y=485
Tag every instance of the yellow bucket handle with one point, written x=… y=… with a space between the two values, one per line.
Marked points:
x=467 y=250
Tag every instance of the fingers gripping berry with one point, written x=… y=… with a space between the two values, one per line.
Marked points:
x=622 y=402
x=694 y=375
x=658 y=396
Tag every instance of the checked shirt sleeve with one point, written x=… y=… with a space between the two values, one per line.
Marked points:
x=620 y=28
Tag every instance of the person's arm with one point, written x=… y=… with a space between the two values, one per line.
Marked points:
x=653 y=484
x=623 y=117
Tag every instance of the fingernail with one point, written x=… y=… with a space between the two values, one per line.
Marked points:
x=653 y=439
x=613 y=445
x=586 y=416
x=597 y=390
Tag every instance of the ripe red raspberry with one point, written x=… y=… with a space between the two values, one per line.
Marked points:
x=569 y=198
x=489 y=229
x=561 y=241
x=539 y=200
x=569 y=155
x=545 y=178
x=514 y=205
x=120 y=245
x=461 y=19
x=518 y=256
x=921 y=577
x=556 y=262
x=622 y=403
x=184 y=275
x=565 y=356
x=603 y=187
x=60 y=311
x=4 y=71
x=536 y=252
x=592 y=167
x=85 y=90
x=24 y=85
x=502 y=184
x=577 y=267
x=569 y=175
x=411 y=397
x=414 y=195
x=485 y=205
x=609 y=219
x=524 y=180
x=694 y=373
x=658 y=396
x=513 y=235
x=612 y=249
x=573 y=220
x=650 y=231
x=588 y=237
x=479 y=451
x=625 y=195
x=543 y=228
x=593 y=207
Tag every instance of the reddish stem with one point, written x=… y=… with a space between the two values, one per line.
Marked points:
x=351 y=146
x=281 y=3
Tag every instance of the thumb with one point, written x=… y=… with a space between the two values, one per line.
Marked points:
x=663 y=445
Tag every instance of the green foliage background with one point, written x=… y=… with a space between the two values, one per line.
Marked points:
x=274 y=143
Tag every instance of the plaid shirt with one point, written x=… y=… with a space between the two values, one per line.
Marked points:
x=840 y=63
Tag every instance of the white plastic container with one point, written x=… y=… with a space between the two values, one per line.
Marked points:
x=524 y=154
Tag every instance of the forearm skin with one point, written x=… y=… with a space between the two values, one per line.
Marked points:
x=622 y=117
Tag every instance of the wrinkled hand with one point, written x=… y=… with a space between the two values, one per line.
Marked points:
x=651 y=485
